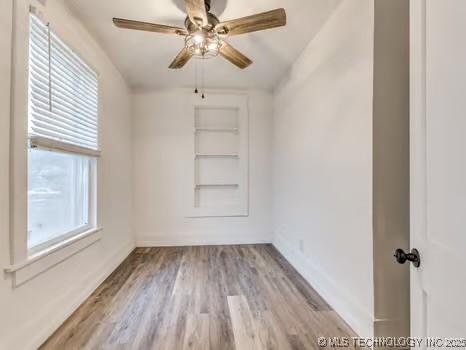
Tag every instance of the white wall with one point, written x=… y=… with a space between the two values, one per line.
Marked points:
x=30 y=313
x=323 y=163
x=162 y=152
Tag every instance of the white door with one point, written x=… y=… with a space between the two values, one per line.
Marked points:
x=438 y=168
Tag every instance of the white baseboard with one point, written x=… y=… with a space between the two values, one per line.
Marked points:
x=353 y=313
x=200 y=240
x=51 y=322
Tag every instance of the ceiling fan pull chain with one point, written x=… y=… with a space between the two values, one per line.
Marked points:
x=203 y=79
x=196 y=90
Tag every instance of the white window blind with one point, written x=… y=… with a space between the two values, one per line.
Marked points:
x=63 y=93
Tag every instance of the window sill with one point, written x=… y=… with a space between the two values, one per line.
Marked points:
x=46 y=259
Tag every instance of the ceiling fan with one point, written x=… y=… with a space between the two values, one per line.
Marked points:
x=205 y=35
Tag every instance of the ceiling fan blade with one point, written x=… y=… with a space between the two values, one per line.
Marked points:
x=148 y=27
x=261 y=21
x=234 y=56
x=183 y=57
x=197 y=12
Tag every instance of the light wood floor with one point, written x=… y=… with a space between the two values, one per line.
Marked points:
x=219 y=298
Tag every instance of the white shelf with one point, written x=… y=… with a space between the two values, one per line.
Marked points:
x=216 y=129
x=219 y=176
x=203 y=155
x=215 y=185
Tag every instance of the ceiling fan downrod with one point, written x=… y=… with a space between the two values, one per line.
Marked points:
x=207 y=5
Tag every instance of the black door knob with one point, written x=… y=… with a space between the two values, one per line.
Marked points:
x=414 y=257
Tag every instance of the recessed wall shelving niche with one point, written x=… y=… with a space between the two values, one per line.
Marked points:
x=221 y=159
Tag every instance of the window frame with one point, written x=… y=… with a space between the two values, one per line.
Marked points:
x=25 y=265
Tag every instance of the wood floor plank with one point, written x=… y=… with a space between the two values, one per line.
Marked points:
x=244 y=328
x=271 y=335
x=207 y=298
x=220 y=326
x=197 y=334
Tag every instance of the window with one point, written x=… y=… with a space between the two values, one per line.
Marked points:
x=58 y=196
x=63 y=140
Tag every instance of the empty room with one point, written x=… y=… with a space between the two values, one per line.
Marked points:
x=232 y=175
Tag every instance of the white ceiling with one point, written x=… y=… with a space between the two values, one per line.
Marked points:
x=143 y=57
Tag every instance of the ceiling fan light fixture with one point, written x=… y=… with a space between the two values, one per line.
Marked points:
x=199 y=38
x=203 y=44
